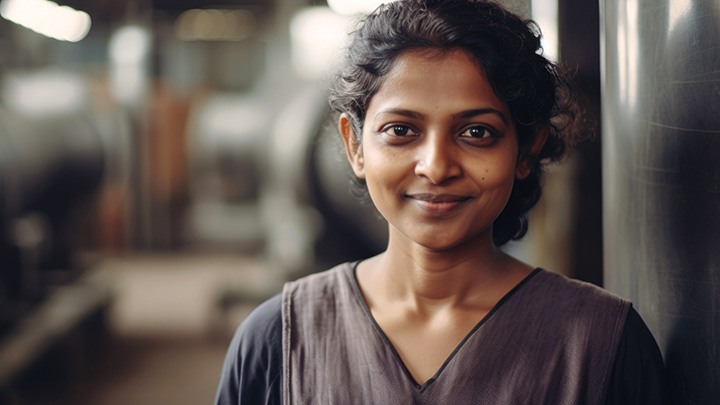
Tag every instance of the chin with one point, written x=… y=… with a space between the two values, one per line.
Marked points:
x=444 y=243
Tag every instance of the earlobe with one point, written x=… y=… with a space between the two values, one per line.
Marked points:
x=353 y=147
x=527 y=159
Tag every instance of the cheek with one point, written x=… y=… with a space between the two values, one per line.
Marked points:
x=378 y=175
x=382 y=180
x=497 y=173
x=383 y=166
x=387 y=177
x=497 y=184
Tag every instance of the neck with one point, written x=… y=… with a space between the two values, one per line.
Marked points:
x=428 y=279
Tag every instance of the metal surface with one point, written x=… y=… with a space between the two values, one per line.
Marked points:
x=661 y=184
x=47 y=163
x=48 y=166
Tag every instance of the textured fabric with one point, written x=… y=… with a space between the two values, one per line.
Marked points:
x=253 y=365
x=251 y=371
x=638 y=374
x=551 y=340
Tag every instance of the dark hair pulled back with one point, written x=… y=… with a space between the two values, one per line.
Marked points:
x=508 y=50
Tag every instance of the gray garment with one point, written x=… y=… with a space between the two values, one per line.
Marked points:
x=551 y=340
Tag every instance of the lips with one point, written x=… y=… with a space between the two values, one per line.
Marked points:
x=438 y=203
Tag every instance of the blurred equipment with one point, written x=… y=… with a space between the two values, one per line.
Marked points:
x=314 y=214
x=661 y=139
x=48 y=169
x=224 y=138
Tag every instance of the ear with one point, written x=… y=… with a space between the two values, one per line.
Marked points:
x=353 y=147
x=527 y=159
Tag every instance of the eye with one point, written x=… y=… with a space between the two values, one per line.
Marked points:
x=477 y=133
x=399 y=130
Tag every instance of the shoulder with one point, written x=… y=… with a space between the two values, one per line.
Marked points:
x=578 y=308
x=635 y=369
x=320 y=298
x=638 y=372
x=564 y=296
x=253 y=363
x=261 y=327
x=554 y=283
x=324 y=283
x=583 y=322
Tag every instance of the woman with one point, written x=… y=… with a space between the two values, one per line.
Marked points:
x=448 y=112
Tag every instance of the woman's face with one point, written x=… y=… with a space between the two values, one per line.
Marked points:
x=439 y=151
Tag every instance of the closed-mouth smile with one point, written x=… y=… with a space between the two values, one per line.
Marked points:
x=438 y=203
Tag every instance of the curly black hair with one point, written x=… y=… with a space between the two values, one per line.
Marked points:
x=506 y=47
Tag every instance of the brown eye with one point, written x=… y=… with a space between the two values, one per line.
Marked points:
x=399 y=130
x=477 y=132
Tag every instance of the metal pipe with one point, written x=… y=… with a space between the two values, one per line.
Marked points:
x=661 y=179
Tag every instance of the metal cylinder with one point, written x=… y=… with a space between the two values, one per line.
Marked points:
x=661 y=179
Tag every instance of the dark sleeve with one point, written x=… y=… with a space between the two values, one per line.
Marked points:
x=637 y=376
x=253 y=363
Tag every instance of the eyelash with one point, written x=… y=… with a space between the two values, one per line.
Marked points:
x=391 y=129
x=488 y=133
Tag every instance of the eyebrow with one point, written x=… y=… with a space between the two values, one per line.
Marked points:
x=462 y=114
x=481 y=111
x=403 y=112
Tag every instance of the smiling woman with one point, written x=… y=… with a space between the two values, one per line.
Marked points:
x=448 y=112
x=439 y=156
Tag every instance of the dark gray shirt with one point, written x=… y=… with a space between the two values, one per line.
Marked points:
x=550 y=340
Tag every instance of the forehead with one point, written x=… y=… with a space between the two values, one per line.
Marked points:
x=427 y=80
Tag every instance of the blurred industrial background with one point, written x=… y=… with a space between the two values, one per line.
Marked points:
x=165 y=165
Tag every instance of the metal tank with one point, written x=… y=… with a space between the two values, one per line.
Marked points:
x=661 y=179
x=48 y=167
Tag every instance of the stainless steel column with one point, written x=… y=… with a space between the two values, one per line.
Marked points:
x=661 y=178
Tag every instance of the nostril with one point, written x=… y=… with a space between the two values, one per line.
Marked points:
x=438 y=171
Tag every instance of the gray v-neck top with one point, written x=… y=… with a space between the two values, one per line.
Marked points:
x=551 y=340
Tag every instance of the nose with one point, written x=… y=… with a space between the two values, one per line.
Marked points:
x=437 y=160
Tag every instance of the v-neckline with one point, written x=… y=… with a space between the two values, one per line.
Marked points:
x=386 y=341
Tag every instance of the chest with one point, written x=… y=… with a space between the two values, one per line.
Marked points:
x=525 y=352
x=424 y=345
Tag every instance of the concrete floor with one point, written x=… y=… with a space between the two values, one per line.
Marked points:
x=167 y=331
